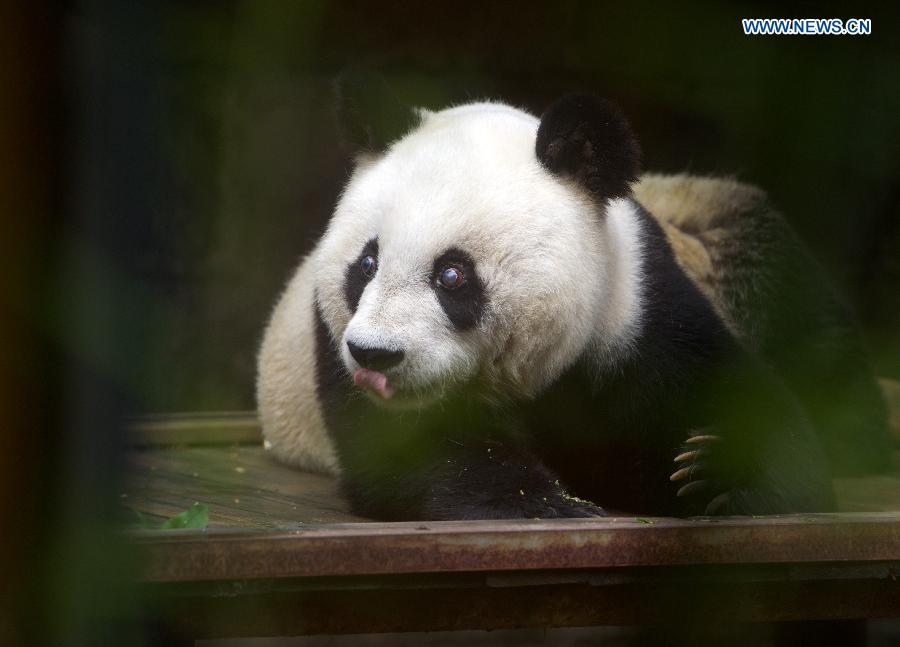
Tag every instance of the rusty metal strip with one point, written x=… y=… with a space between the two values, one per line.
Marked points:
x=399 y=548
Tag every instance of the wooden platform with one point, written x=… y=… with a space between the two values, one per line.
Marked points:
x=283 y=555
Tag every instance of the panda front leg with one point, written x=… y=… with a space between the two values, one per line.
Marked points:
x=478 y=480
x=778 y=477
x=761 y=457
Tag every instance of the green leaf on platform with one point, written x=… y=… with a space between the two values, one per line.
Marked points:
x=197 y=516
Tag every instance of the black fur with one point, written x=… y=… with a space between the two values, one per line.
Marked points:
x=355 y=281
x=465 y=305
x=332 y=383
x=589 y=139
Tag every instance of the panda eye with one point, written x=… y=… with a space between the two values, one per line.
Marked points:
x=451 y=278
x=368 y=265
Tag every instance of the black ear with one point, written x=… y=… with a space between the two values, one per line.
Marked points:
x=589 y=139
x=370 y=117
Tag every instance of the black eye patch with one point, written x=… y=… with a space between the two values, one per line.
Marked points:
x=359 y=273
x=458 y=288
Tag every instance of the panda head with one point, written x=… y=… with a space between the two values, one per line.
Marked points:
x=484 y=248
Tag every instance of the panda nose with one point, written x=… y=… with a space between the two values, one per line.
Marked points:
x=377 y=359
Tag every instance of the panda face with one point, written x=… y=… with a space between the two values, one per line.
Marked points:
x=457 y=258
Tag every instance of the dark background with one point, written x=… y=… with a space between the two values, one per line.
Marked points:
x=164 y=164
x=203 y=160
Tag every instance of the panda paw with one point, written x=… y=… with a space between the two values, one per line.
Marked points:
x=716 y=475
x=697 y=476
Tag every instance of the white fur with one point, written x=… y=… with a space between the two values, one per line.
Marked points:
x=561 y=277
x=620 y=319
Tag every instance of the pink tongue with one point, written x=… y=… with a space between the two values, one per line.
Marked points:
x=374 y=381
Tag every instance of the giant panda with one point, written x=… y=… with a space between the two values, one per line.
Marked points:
x=494 y=325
